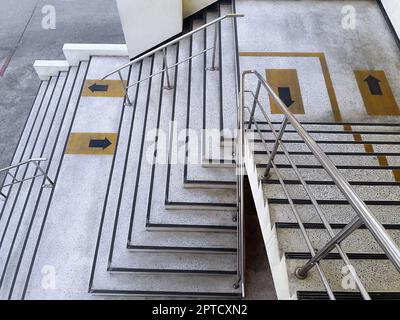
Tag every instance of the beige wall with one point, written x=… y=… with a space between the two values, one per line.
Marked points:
x=393 y=10
x=192 y=6
x=148 y=23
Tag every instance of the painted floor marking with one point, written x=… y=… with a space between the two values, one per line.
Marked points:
x=91 y=143
x=285 y=83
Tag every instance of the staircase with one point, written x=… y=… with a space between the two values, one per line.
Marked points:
x=128 y=223
x=291 y=222
x=146 y=204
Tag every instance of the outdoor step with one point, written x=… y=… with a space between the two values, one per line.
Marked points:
x=352 y=173
x=355 y=127
x=376 y=275
x=360 y=241
x=198 y=109
x=338 y=214
x=113 y=244
x=136 y=164
x=19 y=151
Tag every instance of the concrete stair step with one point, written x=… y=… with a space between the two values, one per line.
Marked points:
x=325 y=192
x=339 y=160
x=369 y=126
x=376 y=275
x=361 y=241
x=337 y=214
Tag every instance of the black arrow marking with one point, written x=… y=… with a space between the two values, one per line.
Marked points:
x=98 y=87
x=285 y=95
x=94 y=143
x=374 y=86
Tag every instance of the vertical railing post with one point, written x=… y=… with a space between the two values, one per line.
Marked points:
x=215 y=44
x=240 y=170
x=166 y=71
x=51 y=183
x=128 y=101
x=255 y=101
x=353 y=225
x=276 y=146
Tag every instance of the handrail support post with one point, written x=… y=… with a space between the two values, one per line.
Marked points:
x=301 y=272
x=215 y=44
x=276 y=146
x=128 y=102
x=255 y=101
x=166 y=71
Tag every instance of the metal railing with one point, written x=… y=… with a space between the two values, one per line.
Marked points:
x=15 y=180
x=164 y=47
x=363 y=214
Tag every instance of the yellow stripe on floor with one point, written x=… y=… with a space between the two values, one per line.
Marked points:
x=103 y=88
x=91 y=143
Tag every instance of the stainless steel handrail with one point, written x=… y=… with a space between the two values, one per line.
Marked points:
x=364 y=215
x=164 y=47
x=15 y=180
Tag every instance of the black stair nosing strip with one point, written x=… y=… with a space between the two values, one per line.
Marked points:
x=32 y=182
x=320 y=226
x=331 y=183
x=334 y=202
x=210 y=182
x=336 y=256
x=340 y=167
x=329 y=142
x=21 y=184
x=321 y=295
x=378 y=124
x=334 y=153
x=52 y=190
x=190 y=226
x=340 y=132
x=218 y=161
x=122 y=183
x=30 y=114
x=164 y=293
x=27 y=234
x=172 y=271
x=131 y=246
x=201 y=204
x=27 y=141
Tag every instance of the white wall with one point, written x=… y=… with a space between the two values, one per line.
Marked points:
x=393 y=10
x=148 y=23
x=192 y=6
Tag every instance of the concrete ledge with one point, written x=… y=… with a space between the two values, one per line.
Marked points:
x=77 y=52
x=48 y=68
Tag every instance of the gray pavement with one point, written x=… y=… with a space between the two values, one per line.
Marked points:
x=23 y=38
